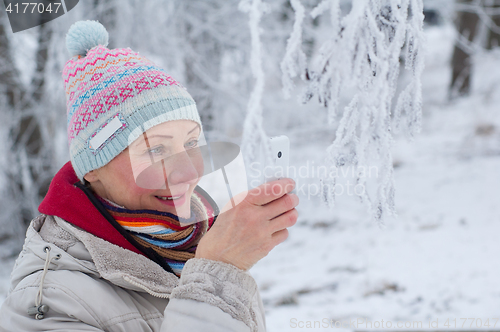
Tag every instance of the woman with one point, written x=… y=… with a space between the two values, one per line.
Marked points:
x=119 y=248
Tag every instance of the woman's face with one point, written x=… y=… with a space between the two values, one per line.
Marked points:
x=161 y=165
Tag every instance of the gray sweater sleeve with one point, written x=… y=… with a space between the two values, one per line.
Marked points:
x=213 y=295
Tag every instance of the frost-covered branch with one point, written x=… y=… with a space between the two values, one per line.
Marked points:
x=253 y=132
x=294 y=62
x=364 y=54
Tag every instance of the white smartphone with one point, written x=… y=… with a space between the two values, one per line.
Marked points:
x=280 y=149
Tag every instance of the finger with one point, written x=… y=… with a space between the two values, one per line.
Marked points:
x=270 y=191
x=279 y=237
x=237 y=199
x=279 y=206
x=287 y=219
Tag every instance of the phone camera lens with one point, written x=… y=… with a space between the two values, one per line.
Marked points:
x=279 y=154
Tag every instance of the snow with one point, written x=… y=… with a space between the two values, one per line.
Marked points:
x=437 y=259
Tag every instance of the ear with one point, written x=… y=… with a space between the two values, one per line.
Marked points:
x=91 y=176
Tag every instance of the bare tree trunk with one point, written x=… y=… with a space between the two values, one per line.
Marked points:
x=10 y=84
x=494 y=37
x=28 y=134
x=467 y=23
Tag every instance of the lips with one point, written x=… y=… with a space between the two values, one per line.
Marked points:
x=172 y=200
x=171 y=197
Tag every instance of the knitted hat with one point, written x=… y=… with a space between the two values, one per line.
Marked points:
x=113 y=96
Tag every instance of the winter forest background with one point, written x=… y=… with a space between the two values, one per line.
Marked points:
x=346 y=82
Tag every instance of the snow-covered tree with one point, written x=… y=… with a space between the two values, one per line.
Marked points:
x=362 y=54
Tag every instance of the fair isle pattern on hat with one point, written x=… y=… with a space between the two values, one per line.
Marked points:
x=116 y=84
x=105 y=83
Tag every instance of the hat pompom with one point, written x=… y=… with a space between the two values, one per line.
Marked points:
x=84 y=35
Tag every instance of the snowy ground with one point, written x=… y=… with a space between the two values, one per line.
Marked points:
x=437 y=260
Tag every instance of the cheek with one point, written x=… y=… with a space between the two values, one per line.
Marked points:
x=133 y=189
x=126 y=181
x=139 y=165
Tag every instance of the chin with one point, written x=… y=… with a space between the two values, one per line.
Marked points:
x=184 y=212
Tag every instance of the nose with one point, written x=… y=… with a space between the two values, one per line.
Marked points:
x=183 y=169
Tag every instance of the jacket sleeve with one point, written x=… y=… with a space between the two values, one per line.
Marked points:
x=214 y=296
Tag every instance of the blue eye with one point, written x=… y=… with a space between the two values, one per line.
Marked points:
x=156 y=150
x=192 y=144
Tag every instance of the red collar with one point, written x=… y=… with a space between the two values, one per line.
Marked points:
x=70 y=203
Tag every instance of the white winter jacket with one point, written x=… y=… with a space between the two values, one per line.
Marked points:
x=93 y=285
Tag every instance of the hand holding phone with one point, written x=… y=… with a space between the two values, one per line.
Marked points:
x=280 y=149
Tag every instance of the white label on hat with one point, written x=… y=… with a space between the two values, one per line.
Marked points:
x=105 y=133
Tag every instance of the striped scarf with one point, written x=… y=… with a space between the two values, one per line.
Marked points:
x=162 y=231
